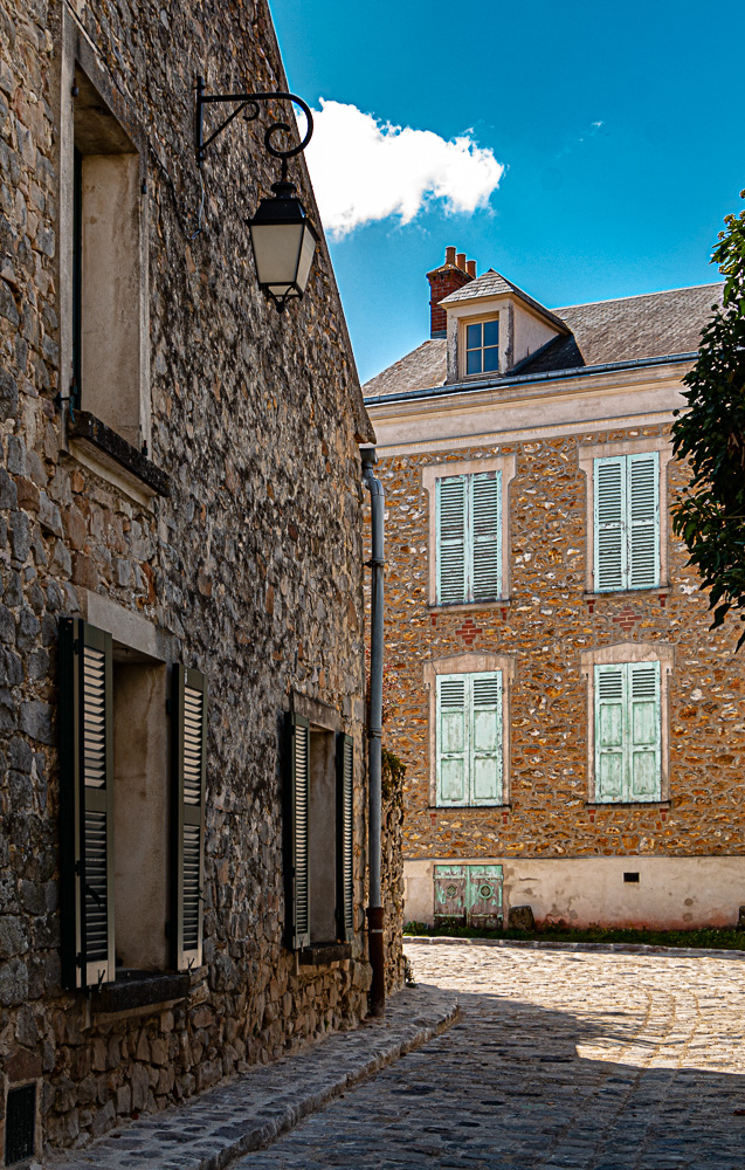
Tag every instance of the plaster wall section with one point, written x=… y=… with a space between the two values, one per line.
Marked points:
x=250 y=569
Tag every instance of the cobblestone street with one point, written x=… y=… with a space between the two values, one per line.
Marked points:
x=588 y=1060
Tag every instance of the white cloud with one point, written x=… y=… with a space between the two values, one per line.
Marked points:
x=364 y=170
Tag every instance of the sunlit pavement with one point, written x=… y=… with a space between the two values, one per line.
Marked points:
x=594 y=1061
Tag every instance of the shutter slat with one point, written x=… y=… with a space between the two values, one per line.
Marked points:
x=189 y=779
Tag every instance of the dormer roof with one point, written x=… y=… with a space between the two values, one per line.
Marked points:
x=493 y=284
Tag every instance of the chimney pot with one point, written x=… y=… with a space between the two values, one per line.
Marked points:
x=460 y=260
x=471 y=267
x=450 y=255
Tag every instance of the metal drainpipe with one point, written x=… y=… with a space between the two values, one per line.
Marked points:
x=376 y=942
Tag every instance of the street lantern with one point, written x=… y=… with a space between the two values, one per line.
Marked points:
x=282 y=237
x=284 y=242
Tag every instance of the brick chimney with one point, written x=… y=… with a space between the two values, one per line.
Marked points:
x=448 y=278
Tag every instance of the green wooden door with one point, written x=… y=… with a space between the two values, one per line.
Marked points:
x=468 y=895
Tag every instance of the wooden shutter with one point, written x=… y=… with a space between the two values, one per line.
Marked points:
x=451 y=735
x=189 y=765
x=345 y=841
x=87 y=804
x=644 y=520
x=298 y=883
x=485 y=738
x=486 y=536
x=610 y=741
x=451 y=539
x=610 y=526
x=645 y=724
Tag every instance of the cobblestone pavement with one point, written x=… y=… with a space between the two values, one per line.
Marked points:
x=588 y=1060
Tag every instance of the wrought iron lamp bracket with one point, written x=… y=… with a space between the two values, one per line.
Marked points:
x=249 y=104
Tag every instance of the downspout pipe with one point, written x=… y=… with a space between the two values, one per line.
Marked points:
x=375 y=912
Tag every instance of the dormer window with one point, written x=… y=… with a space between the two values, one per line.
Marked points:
x=482 y=346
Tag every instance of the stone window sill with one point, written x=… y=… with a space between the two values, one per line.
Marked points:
x=459 y=808
x=654 y=804
x=628 y=594
x=136 y=989
x=110 y=452
x=322 y=954
x=470 y=606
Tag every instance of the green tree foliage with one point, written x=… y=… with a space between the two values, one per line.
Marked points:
x=711 y=436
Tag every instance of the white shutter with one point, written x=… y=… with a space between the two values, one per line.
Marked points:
x=644 y=520
x=644 y=780
x=451 y=734
x=610 y=513
x=486 y=526
x=610 y=745
x=451 y=539
x=486 y=738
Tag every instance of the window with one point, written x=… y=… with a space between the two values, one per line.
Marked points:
x=627 y=524
x=131 y=849
x=469 y=532
x=469 y=536
x=626 y=514
x=320 y=870
x=482 y=346
x=104 y=260
x=628 y=733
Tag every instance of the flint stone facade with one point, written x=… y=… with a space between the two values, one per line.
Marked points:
x=607 y=381
x=227 y=536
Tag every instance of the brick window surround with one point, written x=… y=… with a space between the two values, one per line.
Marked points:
x=632 y=446
x=470 y=664
x=629 y=652
x=507 y=465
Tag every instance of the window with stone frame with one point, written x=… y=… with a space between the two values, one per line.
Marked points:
x=131 y=835
x=628 y=726
x=105 y=262
x=319 y=835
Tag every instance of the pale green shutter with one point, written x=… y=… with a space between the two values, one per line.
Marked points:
x=644 y=778
x=451 y=735
x=610 y=527
x=486 y=529
x=451 y=539
x=644 y=520
x=610 y=741
x=486 y=738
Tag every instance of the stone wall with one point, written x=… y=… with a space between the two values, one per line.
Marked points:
x=392 y=875
x=547 y=622
x=251 y=567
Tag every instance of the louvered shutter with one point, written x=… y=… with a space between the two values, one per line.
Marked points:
x=451 y=539
x=189 y=764
x=298 y=884
x=644 y=520
x=610 y=524
x=451 y=736
x=610 y=740
x=87 y=804
x=486 y=530
x=344 y=846
x=645 y=731
x=486 y=738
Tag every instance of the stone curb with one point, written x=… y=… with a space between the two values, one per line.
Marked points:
x=211 y=1130
x=556 y=945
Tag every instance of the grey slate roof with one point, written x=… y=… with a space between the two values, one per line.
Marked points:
x=625 y=330
x=492 y=284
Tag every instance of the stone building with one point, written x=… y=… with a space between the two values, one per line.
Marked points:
x=574 y=734
x=182 y=781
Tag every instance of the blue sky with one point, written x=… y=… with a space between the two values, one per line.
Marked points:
x=620 y=130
